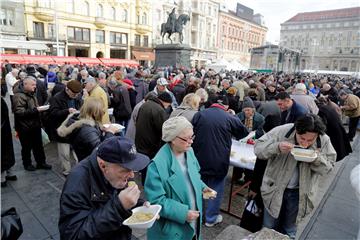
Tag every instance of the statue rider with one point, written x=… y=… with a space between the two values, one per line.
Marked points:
x=171 y=20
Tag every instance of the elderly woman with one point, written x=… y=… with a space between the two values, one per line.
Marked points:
x=173 y=181
x=188 y=108
x=252 y=120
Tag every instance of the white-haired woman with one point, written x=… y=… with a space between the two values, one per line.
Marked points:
x=188 y=108
x=173 y=181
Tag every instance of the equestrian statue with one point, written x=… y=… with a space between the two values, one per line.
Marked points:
x=174 y=25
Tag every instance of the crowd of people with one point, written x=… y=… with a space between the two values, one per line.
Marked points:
x=183 y=120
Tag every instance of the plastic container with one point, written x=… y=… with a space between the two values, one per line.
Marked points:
x=304 y=155
x=44 y=107
x=118 y=127
x=154 y=209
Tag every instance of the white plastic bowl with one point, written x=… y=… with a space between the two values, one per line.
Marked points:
x=118 y=127
x=44 y=107
x=110 y=111
x=154 y=209
x=304 y=155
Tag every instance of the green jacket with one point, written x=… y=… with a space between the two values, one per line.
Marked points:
x=165 y=185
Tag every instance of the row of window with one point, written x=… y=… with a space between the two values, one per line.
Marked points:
x=237 y=33
x=321 y=25
x=7 y=17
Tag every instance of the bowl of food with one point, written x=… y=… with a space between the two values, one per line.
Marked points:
x=44 y=107
x=117 y=126
x=303 y=154
x=143 y=217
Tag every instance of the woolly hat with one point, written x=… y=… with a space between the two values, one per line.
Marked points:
x=165 y=97
x=74 y=86
x=248 y=103
x=173 y=127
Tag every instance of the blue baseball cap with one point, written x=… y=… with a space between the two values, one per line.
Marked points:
x=122 y=151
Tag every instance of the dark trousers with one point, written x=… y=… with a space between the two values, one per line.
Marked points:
x=353 y=122
x=31 y=141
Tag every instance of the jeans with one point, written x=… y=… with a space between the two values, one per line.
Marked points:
x=213 y=205
x=286 y=222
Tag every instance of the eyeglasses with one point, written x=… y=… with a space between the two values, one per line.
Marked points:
x=187 y=139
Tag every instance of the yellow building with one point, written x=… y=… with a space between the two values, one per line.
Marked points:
x=91 y=28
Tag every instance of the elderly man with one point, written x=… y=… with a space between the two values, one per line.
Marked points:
x=351 y=109
x=290 y=110
x=161 y=86
x=289 y=186
x=300 y=96
x=92 y=89
x=96 y=199
x=28 y=124
x=330 y=92
x=84 y=74
x=10 y=80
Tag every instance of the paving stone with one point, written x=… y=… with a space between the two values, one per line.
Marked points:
x=33 y=230
x=323 y=231
x=49 y=218
x=12 y=199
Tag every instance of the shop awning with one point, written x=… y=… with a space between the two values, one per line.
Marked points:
x=38 y=59
x=147 y=56
x=89 y=61
x=18 y=44
x=12 y=58
x=63 y=60
x=119 y=62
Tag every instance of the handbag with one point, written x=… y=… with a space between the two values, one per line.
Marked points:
x=252 y=217
x=11 y=227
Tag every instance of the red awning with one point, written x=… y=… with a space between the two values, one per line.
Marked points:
x=38 y=59
x=147 y=56
x=12 y=58
x=63 y=60
x=119 y=62
x=89 y=61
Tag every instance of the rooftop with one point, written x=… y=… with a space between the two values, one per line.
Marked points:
x=326 y=15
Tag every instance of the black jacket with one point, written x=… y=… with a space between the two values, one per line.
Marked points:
x=7 y=148
x=58 y=112
x=89 y=206
x=179 y=92
x=26 y=115
x=121 y=103
x=296 y=111
x=150 y=119
x=214 y=128
x=84 y=135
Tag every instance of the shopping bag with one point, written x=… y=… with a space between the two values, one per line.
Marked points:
x=11 y=227
x=44 y=137
x=252 y=218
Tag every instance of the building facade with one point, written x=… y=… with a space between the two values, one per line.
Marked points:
x=237 y=35
x=328 y=40
x=91 y=28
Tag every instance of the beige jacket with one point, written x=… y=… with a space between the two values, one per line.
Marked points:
x=281 y=166
x=352 y=104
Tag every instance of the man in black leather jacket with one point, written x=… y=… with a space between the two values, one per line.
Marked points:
x=95 y=200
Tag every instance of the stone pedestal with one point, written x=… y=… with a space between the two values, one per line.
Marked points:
x=176 y=55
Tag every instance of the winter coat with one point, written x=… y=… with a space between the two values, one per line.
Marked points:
x=26 y=115
x=179 y=92
x=141 y=87
x=258 y=123
x=90 y=207
x=353 y=104
x=121 y=103
x=185 y=111
x=150 y=119
x=332 y=94
x=242 y=87
x=58 y=112
x=296 y=111
x=214 y=129
x=84 y=135
x=7 y=148
x=280 y=168
x=131 y=129
x=306 y=101
x=174 y=103
x=164 y=185
x=335 y=130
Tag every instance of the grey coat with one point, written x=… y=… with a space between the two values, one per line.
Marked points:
x=185 y=111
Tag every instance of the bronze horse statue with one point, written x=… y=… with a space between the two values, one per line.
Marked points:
x=179 y=23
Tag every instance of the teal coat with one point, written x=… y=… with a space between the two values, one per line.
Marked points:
x=165 y=185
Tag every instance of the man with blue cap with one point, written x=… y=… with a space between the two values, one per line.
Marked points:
x=95 y=199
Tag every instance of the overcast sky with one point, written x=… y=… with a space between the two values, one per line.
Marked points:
x=278 y=11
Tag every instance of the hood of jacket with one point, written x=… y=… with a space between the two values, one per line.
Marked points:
x=71 y=123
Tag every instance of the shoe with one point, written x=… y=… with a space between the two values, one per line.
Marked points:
x=3 y=184
x=43 y=166
x=218 y=220
x=11 y=178
x=30 y=168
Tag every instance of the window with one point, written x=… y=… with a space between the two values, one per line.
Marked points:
x=113 y=13
x=69 y=6
x=144 y=19
x=85 y=9
x=137 y=40
x=44 y=3
x=78 y=34
x=124 y=15
x=146 y=41
x=118 y=38
x=38 y=29
x=7 y=17
x=51 y=31
x=137 y=19
x=99 y=11
x=100 y=36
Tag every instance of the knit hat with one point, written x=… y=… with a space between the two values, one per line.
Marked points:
x=248 y=103
x=74 y=86
x=165 y=97
x=173 y=127
x=162 y=82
